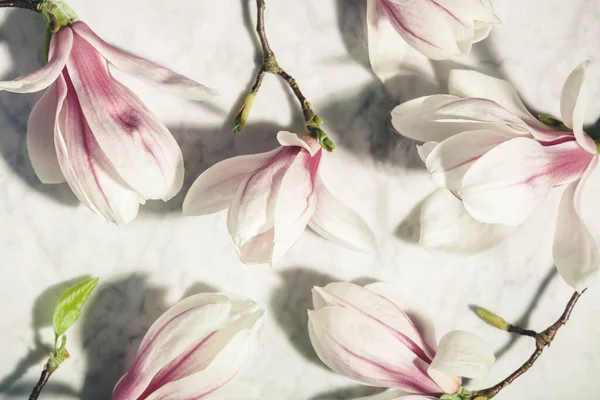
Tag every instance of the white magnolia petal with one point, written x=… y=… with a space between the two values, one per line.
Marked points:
x=40 y=139
x=447 y=108
x=425 y=149
x=338 y=223
x=144 y=69
x=409 y=121
x=291 y=139
x=215 y=361
x=573 y=103
x=104 y=189
x=386 y=48
x=259 y=249
x=447 y=226
x=473 y=84
x=215 y=188
x=139 y=146
x=575 y=250
x=452 y=158
x=296 y=201
x=383 y=303
x=508 y=183
x=396 y=394
x=361 y=348
x=252 y=210
x=461 y=353
x=60 y=48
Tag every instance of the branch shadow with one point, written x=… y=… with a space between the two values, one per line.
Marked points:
x=23 y=33
x=291 y=301
x=42 y=312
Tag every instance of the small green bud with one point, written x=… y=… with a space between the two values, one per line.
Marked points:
x=552 y=122
x=58 y=14
x=492 y=318
x=242 y=116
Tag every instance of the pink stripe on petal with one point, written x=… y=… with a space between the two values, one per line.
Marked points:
x=60 y=47
x=140 y=148
x=144 y=69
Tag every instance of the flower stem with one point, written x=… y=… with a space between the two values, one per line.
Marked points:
x=542 y=340
x=41 y=383
x=29 y=5
x=270 y=65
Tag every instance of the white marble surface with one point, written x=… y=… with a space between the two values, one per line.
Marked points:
x=47 y=239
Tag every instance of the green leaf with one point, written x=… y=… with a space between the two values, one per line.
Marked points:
x=69 y=306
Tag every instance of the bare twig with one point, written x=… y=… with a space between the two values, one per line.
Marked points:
x=542 y=340
x=41 y=383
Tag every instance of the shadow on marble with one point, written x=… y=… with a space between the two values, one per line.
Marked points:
x=293 y=298
x=525 y=318
x=43 y=309
x=23 y=33
x=348 y=393
x=409 y=230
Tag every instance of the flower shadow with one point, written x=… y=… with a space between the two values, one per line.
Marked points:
x=23 y=33
x=43 y=309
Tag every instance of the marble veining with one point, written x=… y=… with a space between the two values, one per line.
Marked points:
x=47 y=239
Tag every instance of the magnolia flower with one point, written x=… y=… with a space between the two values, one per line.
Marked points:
x=438 y=29
x=376 y=336
x=500 y=163
x=193 y=349
x=92 y=132
x=272 y=197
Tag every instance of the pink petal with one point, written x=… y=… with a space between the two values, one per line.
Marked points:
x=507 y=184
x=252 y=211
x=60 y=47
x=452 y=158
x=215 y=189
x=573 y=103
x=143 y=68
x=40 y=139
x=382 y=303
x=95 y=176
x=363 y=349
x=259 y=249
x=337 y=222
x=575 y=250
x=296 y=201
x=140 y=148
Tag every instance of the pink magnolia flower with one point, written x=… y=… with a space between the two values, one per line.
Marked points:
x=92 y=132
x=378 y=337
x=500 y=163
x=192 y=350
x=439 y=29
x=272 y=197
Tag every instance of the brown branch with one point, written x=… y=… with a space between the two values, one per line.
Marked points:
x=542 y=340
x=28 y=5
x=41 y=383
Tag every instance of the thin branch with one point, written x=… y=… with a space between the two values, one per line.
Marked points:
x=542 y=340
x=41 y=383
x=260 y=29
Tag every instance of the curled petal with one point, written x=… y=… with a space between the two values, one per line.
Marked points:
x=460 y=354
x=140 y=148
x=444 y=218
x=144 y=69
x=507 y=184
x=291 y=139
x=573 y=102
x=104 y=189
x=452 y=158
x=575 y=250
x=40 y=139
x=425 y=150
x=60 y=48
x=338 y=223
x=473 y=84
x=215 y=188
x=362 y=349
x=386 y=47
x=408 y=119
